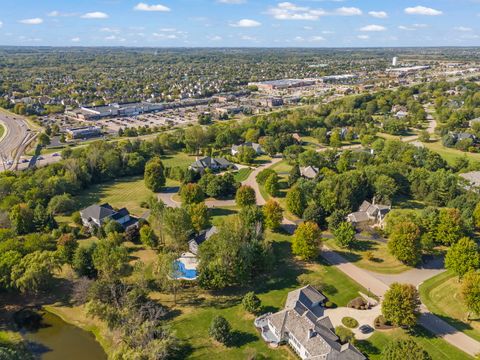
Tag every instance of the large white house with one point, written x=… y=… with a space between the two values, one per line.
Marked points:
x=303 y=326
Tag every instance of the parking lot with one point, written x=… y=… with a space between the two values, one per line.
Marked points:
x=168 y=118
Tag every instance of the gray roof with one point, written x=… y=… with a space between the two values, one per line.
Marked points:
x=252 y=145
x=200 y=239
x=209 y=162
x=472 y=177
x=97 y=212
x=309 y=172
x=315 y=333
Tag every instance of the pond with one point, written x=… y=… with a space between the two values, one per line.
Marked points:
x=51 y=338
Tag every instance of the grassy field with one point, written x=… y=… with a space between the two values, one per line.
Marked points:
x=2 y=130
x=196 y=309
x=437 y=348
x=242 y=174
x=382 y=261
x=442 y=296
x=449 y=154
x=127 y=192
x=179 y=159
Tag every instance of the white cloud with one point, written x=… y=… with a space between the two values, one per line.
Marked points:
x=422 y=10
x=348 y=11
x=378 y=14
x=164 y=36
x=290 y=11
x=56 y=13
x=232 y=1
x=214 y=38
x=75 y=39
x=1 y=24
x=373 y=28
x=328 y=32
x=110 y=30
x=95 y=15
x=363 y=37
x=146 y=7
x=462 y=28
x=412 y=27
x=246 y=23
x=248 y=38
x=33 y=21
x=307 y=28
x=317 y=38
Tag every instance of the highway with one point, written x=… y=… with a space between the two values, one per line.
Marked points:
x=16 y=132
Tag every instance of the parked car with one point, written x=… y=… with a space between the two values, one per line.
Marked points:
x=40 y=158
x=365 y=329
x=55 y=154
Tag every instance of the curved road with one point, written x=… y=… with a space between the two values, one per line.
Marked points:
x=16 y=131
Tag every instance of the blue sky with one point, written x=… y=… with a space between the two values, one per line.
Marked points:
x=258 y=23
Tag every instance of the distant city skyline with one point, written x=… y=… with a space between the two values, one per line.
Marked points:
x=241 y=23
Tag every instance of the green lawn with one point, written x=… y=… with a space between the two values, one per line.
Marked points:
x=242 y=174
x=2 y=130
x=197 y=308
x=449 y=154
x=437 y=348
x=127 y=192
x=441 y=294
x=179 y=159
x=382 y=262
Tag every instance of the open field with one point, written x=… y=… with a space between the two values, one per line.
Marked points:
x=179 y=159
x=382 y=261
x=449 y=154
x=437 y=348
x=2 y=131
x=441 y=294
x=127 y=192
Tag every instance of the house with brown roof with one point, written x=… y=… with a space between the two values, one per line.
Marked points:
x=303 y=326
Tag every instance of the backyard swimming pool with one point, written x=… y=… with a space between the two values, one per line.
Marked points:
x=182 y=273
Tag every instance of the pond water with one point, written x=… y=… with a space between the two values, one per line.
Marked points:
x=54 y=339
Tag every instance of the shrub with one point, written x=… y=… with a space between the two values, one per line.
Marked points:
x=349 y=322
x=251 y=303
x=220 y=329
x=345 y=335
x=357 y=303
x=264 y=175
x=329 y=305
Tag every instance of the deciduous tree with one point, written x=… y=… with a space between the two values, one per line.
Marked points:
x=463 y=257
x=401 y=304
x=306 y=241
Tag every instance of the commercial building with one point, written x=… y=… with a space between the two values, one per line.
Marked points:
x=84 y=132
x=113 y=110
x=283 y=84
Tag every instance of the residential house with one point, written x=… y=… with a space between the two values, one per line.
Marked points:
x=200 y=239
x=258 y=149
x=303 y=326
x=309 y=172
x=472 y=178
x=369 y=214
x=207 y=162
x=97 y=215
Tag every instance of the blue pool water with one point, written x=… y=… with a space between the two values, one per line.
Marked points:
x=183 y=273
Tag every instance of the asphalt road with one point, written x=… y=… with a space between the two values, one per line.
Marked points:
x=16 y=130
